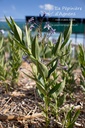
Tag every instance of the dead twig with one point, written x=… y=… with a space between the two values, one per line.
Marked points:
x=16 y=117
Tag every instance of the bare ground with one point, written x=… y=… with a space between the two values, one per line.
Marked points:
x=19 y=108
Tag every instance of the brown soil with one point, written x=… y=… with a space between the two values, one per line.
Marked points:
x=19 y=108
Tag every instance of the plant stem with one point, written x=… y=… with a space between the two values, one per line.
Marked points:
x=46 y=110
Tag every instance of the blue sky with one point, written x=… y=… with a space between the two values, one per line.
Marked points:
x=18 y=9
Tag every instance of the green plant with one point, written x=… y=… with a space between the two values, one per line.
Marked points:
x=15 y=60
x=70 y=118
x=68 y=68
x=10 y=61
x=4 y=75
x=47 y=87
x=44 y=74
x=81 y=58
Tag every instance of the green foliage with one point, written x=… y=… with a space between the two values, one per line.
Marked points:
x=68 y=66
x=15 y=60
x=45 y=73
x=35 y=48
x=10 y=60
x=3 y=72
x=71 y=117
x=67 y=34
x=15 y=29
x=4 y=75
x=81 y=58
x=57 y=46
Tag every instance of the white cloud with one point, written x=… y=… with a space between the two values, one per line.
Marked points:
x=47 y=7
x=41 y=6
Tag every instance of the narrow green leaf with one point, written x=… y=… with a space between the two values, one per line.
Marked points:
x=52 y=69
x=35 y=48
x=67 y=34
x=57 y=46
x=1 y=43
x=2 y=77
x=28 y=38
x=54 y=89
x=39 y=84
x=48 y=52
x=22 y=46
x=76 y=116
x=56 y=58
x=60 y=100
x=41 y=88
x=81 y=50
x=17 y=30
x=52 y=61
x=42 y=69
x=71 y=68
x=9 y=24
x=33 y=78
x=71 y=119
x=34 y=69
x=52 y=82
x=58 y=88
x=83 y=72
